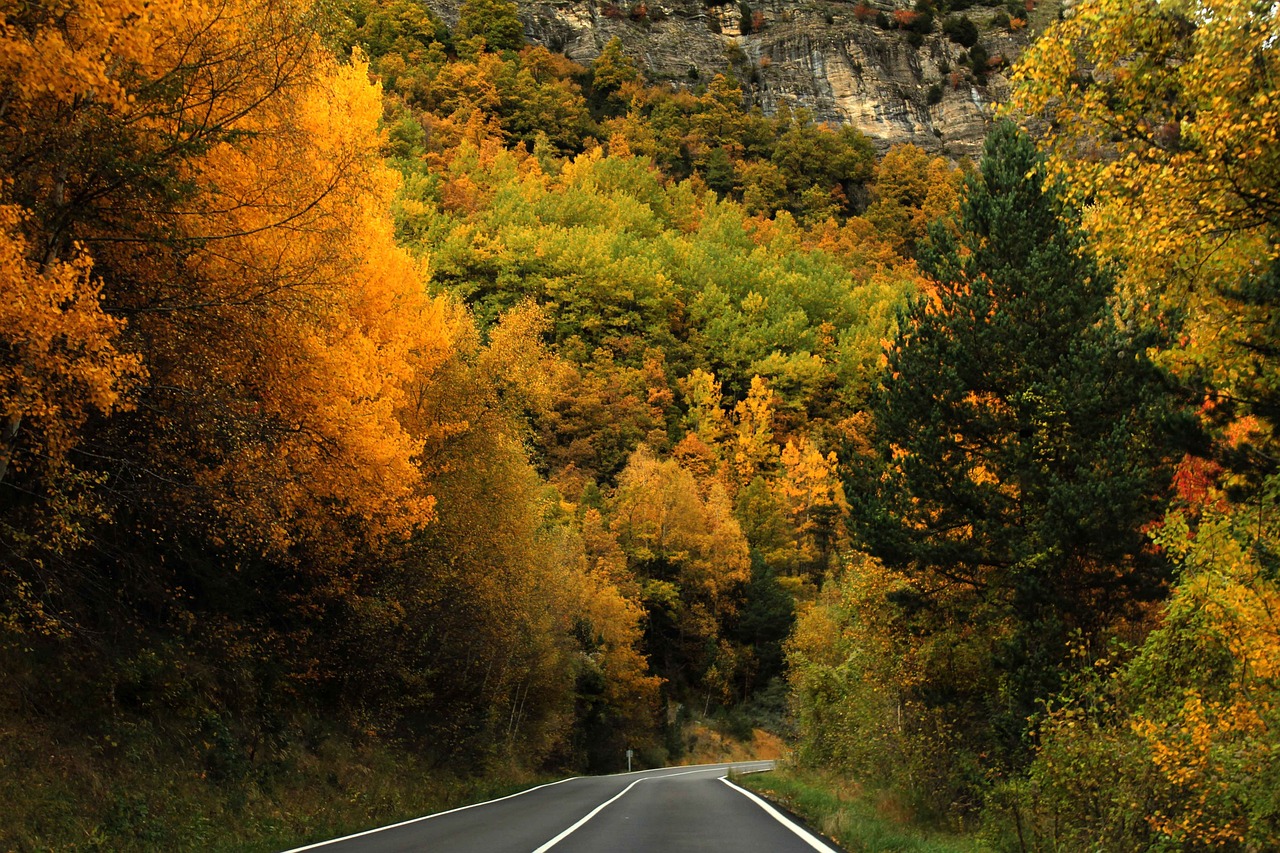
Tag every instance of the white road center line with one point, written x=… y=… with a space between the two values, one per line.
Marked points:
x=704 y=768
x=562 y=836
x=805 y=836
x=701 y=769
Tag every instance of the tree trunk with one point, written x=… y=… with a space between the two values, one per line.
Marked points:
x=9 y=438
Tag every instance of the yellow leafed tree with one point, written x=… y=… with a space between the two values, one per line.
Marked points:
x=811 y=490
x=689 y=554
x=753 y=449
x=1165 y=118
x=61 y=361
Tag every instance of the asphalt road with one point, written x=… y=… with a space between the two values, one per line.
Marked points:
x=674 y=810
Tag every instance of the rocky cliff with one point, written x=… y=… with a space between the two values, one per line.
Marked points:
x=845 y=63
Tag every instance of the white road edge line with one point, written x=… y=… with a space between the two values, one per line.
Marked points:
x=485 y=803
x=426 y=817
x=712 y=768
x=805 y=836
x=756 y=770
x=654 y=770
x=562 y=836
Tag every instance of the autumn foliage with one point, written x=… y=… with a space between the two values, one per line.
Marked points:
x=350 y=400
x=367 y=382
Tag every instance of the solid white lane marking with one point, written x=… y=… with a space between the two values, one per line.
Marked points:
x=755 y=770
x=652 y=775
x=562 y=836
x=426 y=817
x=700 y=769
x=653 y=771
x=806 y=836
x=704 y=768
x=711 y=769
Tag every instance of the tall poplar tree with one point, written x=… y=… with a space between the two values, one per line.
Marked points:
x=1023 y=444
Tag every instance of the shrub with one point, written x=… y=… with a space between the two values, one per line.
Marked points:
x=904 y=18
x=978 y=59
x=960 y=30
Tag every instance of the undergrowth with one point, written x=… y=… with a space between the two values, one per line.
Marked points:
x=135 y=795
x=859 y=820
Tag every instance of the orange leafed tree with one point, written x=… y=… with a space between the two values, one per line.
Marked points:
x=60 y=360
x=337 y=321
x=222 y=175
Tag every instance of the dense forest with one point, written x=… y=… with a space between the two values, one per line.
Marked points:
x=380 y=399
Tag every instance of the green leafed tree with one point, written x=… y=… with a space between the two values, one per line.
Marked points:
x=1023 y=444
x=493 y=20
x=611 y=71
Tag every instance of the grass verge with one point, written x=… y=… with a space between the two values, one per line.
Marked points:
x=858 y=820
x=59 y=794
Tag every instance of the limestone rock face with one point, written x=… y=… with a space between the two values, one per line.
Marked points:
x=814 y=55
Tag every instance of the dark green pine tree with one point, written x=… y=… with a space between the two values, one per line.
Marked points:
x=1024 y=441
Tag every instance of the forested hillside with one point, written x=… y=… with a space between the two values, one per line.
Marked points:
x=383 y=402
x=1063 y=628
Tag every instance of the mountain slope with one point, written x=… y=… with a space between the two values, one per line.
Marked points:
x=884 y=68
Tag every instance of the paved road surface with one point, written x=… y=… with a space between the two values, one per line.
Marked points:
x=674 y=810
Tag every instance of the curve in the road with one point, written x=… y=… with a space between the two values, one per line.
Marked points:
x=689 y=811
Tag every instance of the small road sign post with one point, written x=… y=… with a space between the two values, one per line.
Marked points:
x=630 y=752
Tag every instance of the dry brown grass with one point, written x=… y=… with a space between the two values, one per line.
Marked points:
x=706 y=745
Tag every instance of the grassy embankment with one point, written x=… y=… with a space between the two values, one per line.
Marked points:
x=856 y=819
x=139 y=795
